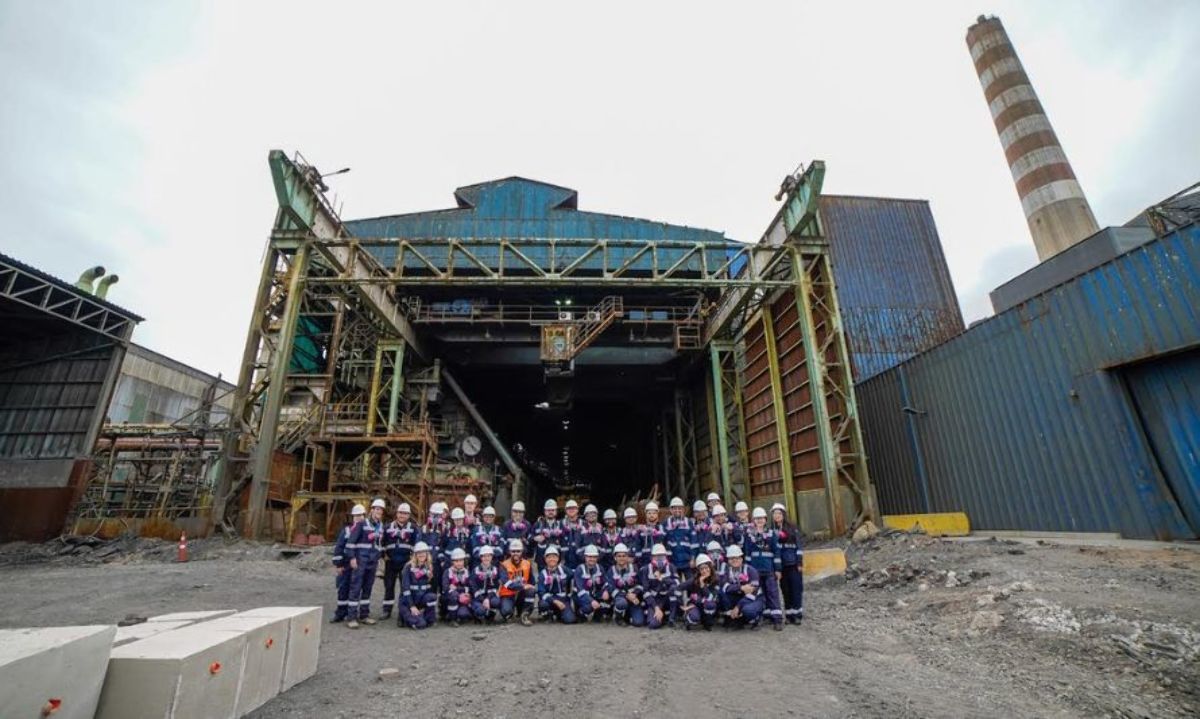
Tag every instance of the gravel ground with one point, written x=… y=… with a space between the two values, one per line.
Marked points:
x=919 y=627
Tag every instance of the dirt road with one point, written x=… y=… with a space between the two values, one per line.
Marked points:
x=920 y=627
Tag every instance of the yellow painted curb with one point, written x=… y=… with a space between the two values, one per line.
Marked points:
x=822 y=563
x=944 y=524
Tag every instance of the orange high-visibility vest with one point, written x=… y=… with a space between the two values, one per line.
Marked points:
x=513 y=569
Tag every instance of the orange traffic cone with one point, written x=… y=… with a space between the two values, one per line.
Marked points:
x=183 y=553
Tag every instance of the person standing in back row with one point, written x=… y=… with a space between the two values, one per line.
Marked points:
x=791 y=556
x=341 y=562
x=366 y=543
x=762 y=552
x=398 y=540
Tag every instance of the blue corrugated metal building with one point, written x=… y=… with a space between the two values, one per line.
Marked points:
x=894 y=287
x=1077 y=410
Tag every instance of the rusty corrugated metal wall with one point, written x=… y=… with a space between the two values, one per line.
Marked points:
x=894 y=286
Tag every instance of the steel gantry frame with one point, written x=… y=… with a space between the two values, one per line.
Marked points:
x=314 y=267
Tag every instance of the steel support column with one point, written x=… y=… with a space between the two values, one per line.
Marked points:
x=720 y=430
x=280 y=360
x=777 y=401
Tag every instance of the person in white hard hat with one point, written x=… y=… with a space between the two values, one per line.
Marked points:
x=546 y=531
x=712 y=500
x=418 y=596
x=762 y=552
x=341 y=564
x=517 y=527
x=456 y=536
x=398 y=539
x=485 y=586
x=741 y=591
x=652 y=533
x=609 y=538
x=721 y=530
x=626 y=588
x=518 y=593
x=716 y=553
x=471 y=510
x=791 y=556
x=456 y=587
x=700 y=525
x=593 y=600
x=702 y=596
x=590 y=533
x=364 y=547
x=571 y=543
x=631 y=535
x=432 y=532
x=660 y=587
x=554 y=589
x=741 y=513
x=680 y=540
x=487 y=534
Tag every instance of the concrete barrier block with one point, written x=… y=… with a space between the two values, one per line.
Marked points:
x=53 y=671
x=304 y=641
x=192 y=617
x=940 y=524
x=185 y=673
x=145 y=630
x=263 y=662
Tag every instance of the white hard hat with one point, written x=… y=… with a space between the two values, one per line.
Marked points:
x=630 y=512
x=778 y=506
x=551 y=550
x=759 y=512
x=651 y=506
x=457 y=513
x=713 y=497
x=676 y=502
x=572 y=503
x=436 y=508
x=717 y=509
x=458 y=553
x=610 y=514
x=486 y=550
x=516 y=545
x=620 y=548
x=404 y=508
x=713 y=546
x=699 y=506
x=489 y=511
x=591 y=509
x=733 y=551
x=420 y=547
x=591 y=551
x=741 y=507
x=471 y=498
x=518 y=506
x=550 y=504
x=378 y=503
x=703 y=559
x=659 y=549
x=358 y=509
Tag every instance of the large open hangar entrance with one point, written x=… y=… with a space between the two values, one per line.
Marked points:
x=514 y=346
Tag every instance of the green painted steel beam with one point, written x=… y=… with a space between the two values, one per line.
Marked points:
x=722 y=429
x=777 y=402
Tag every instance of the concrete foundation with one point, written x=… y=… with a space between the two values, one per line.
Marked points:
x=187 y=673
x=53 y=670
x=145 y=630
x=262 y=664
x=303 y=640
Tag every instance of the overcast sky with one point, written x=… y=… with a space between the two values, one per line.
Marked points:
x=135 y=135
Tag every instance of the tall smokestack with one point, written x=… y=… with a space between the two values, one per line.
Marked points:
x=1055 y=207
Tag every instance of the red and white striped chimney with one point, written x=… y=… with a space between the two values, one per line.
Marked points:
x=1055 y=207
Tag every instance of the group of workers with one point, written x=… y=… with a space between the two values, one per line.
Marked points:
x=460 y=565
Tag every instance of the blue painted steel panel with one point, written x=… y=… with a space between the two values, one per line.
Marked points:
x=894 y=287
x=1167 y=394
x=1024 y=421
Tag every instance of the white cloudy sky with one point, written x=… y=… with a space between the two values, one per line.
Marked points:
x=135 y=134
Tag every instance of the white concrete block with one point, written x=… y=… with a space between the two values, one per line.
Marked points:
x=145 y=630
x=60 y=668
x=187 y=673
x=192 y=617
x=304 y=640
x=262 y=664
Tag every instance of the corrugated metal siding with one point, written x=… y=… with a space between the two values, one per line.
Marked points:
x=894 y=287
x=159 y=390
x=1022 y=423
